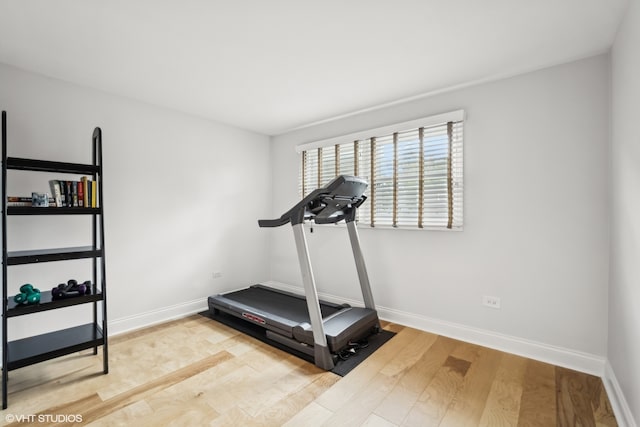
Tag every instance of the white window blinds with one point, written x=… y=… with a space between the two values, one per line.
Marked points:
x=415 y=175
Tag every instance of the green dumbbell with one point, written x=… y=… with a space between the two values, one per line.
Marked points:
x=28 y=295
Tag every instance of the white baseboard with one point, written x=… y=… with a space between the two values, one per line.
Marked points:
x=624 y=417
x=153 y=317
x=555 y=355
x=572 y=359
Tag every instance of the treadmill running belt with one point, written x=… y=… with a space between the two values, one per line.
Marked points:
x=279 y=304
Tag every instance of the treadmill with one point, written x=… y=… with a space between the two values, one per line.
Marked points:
x=304 y=324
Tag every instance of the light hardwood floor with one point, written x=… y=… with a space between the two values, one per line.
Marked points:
x=195 y=371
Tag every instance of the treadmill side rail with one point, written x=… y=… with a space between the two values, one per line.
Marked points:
x=322 y=356
x=365 y=285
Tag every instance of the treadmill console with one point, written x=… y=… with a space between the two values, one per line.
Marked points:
x=332 y=203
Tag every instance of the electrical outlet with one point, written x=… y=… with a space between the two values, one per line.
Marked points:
x=489 y=301
x=217 y=274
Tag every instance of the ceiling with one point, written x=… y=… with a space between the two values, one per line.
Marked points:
x=272 y=66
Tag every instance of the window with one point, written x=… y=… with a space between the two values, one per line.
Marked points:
x=414 y=171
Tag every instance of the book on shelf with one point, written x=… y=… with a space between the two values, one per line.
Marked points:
x=74 y=193
x=19 y=201
x=80 y=186
x=85 y=191
x=63 y=192
x=69 y=192
x=55 y=191
x=94 y=194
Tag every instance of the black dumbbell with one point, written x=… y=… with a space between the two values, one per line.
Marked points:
x=71 y=289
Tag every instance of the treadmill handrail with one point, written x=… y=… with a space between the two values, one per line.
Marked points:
x=273 y=222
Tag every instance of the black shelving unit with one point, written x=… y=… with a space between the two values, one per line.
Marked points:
x=92 y=334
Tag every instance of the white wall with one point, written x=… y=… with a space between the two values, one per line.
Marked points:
x=624 y=297
x=181 y=198
x=535 y=233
